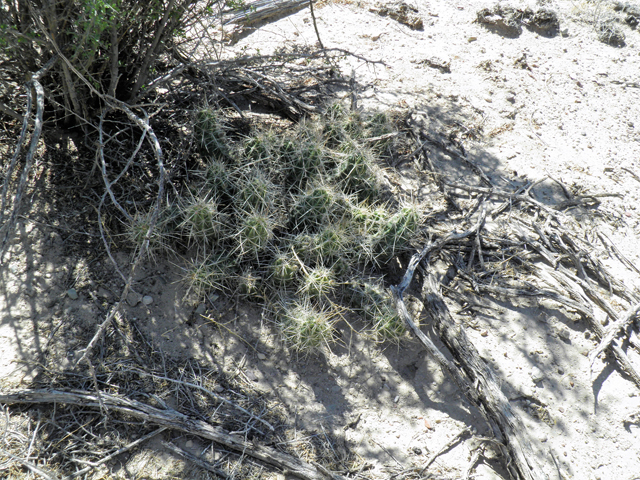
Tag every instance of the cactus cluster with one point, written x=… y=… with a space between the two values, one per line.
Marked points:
x=295 y=219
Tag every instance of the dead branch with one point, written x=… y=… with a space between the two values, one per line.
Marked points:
x=609 y=245
x=472 y=375
x=119 y=451
x=34 y=468
x=262 y=10
x=193 y=459
x=11 y=112
x=315 y=25
x=613 y=330
x=171 y=419
x=35 y=139
x=209 y=393
x=446 y=447
x=574 y=291
x=482 y=385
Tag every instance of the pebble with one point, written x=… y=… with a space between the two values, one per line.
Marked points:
x=262 y=356
x=202 y=308
x=133 y=299
x=103 y=293
x=395 y=400
x=147 y=299
x=72 y=294
x=537 y=375
x=218 y=389
x=561 y=332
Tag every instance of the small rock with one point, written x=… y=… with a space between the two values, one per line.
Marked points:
x=395 y=400
x=202 y=308
x=72 y=294
x=472 y=39
x=526 y=391
x=133 y=299
x=537 y=375
x=218 y=389
x=262 y=356
x=189 y=444
x=147 y=299
x=561 y=332
x=104 y=293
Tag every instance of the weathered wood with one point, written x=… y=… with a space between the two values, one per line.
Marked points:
x=569 y=281
x=262 y=10
x=468 y=370
x=613 y=330
x=175 y=420
x=483 y=389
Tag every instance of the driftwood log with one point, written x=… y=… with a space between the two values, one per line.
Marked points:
x=175 y=420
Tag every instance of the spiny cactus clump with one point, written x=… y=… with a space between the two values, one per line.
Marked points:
x=298 y=215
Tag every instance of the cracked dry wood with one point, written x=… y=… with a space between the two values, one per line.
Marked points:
x=468 y=370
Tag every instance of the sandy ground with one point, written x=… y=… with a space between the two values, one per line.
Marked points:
x=565 y=106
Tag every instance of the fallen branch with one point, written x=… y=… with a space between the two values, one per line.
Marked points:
x=472 y=375
x=261 y=10
x=483 y=388
x=34 y=468
x=193 y=459
x=120 y=451
x=446 y=447
x=612 y=332
x=34 y=84
x=621 y=358
x=171 y=419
